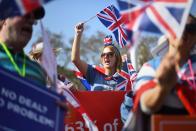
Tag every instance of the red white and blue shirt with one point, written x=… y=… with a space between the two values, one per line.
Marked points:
x=100 y=82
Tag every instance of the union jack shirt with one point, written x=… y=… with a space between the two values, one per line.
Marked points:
x=100 y=82
x=119 y=81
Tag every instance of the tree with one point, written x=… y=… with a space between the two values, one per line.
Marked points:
x=91 y=46
x=142 y=51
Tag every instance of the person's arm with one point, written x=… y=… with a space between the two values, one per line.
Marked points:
x=152 y=99
x=75 y=54
x=166 y=74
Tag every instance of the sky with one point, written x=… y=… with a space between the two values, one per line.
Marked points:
x=62 y=16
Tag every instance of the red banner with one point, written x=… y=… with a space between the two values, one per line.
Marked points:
x=102 y=106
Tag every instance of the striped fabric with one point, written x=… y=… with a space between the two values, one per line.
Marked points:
x=147 y=73
x=34 y=72
x=148 y=70
x=101 y=82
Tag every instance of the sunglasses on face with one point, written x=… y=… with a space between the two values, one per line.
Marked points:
x=108 y=54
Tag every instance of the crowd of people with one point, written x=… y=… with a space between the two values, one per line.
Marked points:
x=157 y=82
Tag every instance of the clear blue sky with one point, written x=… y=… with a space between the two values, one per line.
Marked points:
x=62 y=15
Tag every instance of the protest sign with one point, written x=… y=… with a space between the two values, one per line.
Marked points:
x=25 y=106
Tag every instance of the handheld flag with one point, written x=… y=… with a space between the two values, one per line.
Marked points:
x=156 y=16
x=10 y=8
x=48 y=60
x=111 y=18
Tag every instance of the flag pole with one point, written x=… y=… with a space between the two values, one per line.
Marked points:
x=90 y=19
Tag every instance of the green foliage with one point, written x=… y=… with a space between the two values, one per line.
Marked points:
x=146 y=43
x=90 y=47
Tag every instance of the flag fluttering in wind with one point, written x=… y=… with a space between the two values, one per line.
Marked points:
x=48 y=59
x=156 y=16
x=128 y=69
x=111 y=18
x=9 y=8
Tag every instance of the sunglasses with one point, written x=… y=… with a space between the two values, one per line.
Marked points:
x=108 y=54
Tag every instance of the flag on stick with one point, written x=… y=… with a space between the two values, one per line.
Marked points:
x=156 y=16
x=10 y=8
x=111 y=18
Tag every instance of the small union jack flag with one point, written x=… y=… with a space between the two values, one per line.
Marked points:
x=132 y=72
x=10 y=8
x=157 y=16
x=128 y=73
x=111 y=18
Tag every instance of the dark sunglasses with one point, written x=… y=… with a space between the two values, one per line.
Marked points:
x=108 y=54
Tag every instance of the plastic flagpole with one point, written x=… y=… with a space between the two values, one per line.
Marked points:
x=90 y=19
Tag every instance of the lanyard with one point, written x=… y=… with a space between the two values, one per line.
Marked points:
x=20 y=72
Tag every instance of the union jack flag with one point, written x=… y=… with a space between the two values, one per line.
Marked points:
x=132 y=72
x=111 y=18
x=130 y=68
x=157 y=16
x=10 y=8
x=128 y=73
